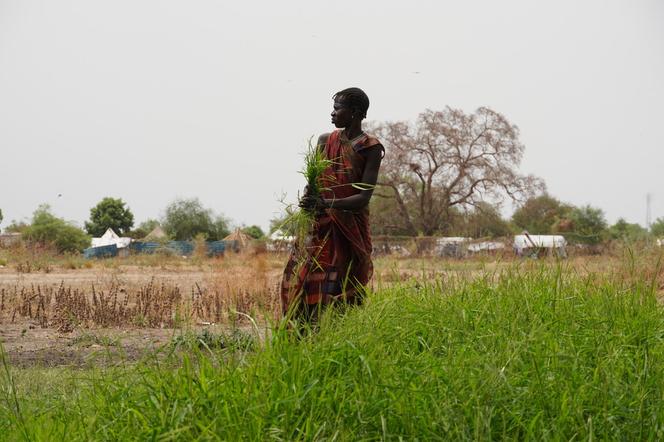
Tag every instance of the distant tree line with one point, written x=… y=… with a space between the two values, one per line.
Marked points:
x=183 y=219
x=446 y=174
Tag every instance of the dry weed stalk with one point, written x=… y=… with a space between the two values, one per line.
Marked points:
x=226 y=297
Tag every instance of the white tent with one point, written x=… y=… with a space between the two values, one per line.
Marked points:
x=451 y=246
x=279 y=241
x=486 y=246
x=527 y=241
x=280 y=236
x=109 y=238
x=552 y=243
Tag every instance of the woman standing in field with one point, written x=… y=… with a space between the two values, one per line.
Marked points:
x=336 y=265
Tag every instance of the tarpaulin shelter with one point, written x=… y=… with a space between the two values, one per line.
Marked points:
x=527 y=243
x=111 y=238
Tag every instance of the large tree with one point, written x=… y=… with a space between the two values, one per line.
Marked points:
x=542 y=215
x=588 y=225
x=110 y=212
x=446 y=160
x=184 y=219
x=484 y=221
x=622 y=230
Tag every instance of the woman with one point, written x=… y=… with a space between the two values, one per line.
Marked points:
x=336 y=265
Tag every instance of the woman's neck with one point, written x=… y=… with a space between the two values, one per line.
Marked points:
x=353 y=131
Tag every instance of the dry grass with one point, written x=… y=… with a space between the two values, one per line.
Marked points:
x=229 y=291
x=168 y=291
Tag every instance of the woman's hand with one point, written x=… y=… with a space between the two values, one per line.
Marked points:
x=313 y=203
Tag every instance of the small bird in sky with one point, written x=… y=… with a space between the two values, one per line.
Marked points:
x=59 y=195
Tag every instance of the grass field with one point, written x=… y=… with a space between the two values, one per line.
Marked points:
x=568 y=350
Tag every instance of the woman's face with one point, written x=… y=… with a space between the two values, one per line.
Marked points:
x=342 y=114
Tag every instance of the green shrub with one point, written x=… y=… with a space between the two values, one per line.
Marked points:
x=46 y=228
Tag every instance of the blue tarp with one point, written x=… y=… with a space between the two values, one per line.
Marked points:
x=144 y=247
x=216 y=248
x=183 y=248
x=101 y=252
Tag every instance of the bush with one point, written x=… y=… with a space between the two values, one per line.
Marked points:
x=186 y=218
x=589 y=225
x=46 y=228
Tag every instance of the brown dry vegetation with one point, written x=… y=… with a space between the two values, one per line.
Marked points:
x=116 y=293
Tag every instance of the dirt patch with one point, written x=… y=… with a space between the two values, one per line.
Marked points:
x=28 y=345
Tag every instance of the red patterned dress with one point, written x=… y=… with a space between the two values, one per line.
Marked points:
x=336 y=265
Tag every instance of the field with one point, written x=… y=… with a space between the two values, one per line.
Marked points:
x=164 y=348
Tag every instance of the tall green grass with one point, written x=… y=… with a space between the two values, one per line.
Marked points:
x=539 y=353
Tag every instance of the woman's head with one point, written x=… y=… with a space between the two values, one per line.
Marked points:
x=350 y=106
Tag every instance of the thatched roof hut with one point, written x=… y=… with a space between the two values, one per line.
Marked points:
x=243 y=240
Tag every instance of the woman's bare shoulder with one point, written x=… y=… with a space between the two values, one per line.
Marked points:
x=322 y=139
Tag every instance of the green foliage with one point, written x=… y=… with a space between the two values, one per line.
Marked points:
x=657 y=227
x=485 y=221
x=17 y=226
x=109 y=213
x=46 y=228
x=299 y=221
x=315 y=163
x=588 y=225
x=0 y=218
x=235 y=340
x=144 y=228
x=186 y=218
x=630 y=232
x=543 y=354
x=540 y=215
x=254 y=231
x=385 y=211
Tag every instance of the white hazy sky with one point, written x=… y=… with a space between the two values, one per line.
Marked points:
x=148 y=100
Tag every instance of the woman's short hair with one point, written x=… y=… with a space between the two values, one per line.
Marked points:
x=354 y=97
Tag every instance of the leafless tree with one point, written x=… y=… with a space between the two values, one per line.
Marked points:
x=450 y=160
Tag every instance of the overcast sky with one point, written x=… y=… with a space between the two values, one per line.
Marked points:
x=153 y=100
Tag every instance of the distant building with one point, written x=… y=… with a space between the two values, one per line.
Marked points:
x=9 y=239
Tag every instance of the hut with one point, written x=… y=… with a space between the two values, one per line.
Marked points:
x=156 y=235
x=241 y=241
